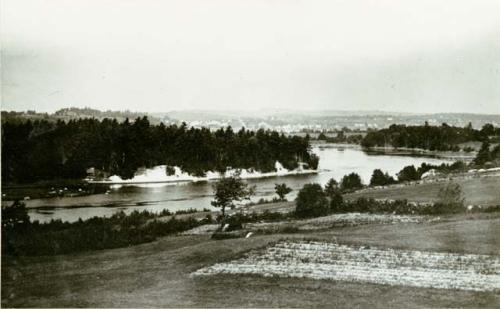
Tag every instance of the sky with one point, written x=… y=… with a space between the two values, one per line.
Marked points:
x=155 y=56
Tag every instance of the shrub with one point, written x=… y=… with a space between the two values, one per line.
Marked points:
x=351 y=182
x=451 y=195
x=289 y=229
x=311 y=201
x=408 y=173
x=235 y=222
x=15 y=216
x=119 y=230
x=336 y=202
x=442 y=208
x=207 y=220
x=380 y=179
x=331 y=187
x=225 y=235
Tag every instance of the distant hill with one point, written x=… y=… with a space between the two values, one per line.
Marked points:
x=79 y=113
x=278 y=119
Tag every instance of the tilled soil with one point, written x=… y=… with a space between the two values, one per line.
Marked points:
x=323 y=260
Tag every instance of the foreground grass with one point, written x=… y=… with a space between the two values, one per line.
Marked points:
x=157 y=274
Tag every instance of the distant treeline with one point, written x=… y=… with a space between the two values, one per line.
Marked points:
x=442 y=137
x=42 y=150
x=71 y=113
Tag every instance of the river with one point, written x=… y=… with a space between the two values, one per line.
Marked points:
x=334 y=162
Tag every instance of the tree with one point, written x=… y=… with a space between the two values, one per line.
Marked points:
x=483 y=154
x=331 y=187
x=351 y=182
x=336 y=201
x=311 y=201
x=313 y=161
x=487 y=130
x=380 y=179
x=408 y=173
x=15 y=215
x=46 y=150
x=332 y=191
x=282 y=190
x=229 y=190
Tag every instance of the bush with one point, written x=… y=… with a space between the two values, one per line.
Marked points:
x=331 y=187
x=408 y=173
x=451 y=195
x=235 y=222
x=351 y=182
x=311 y=201
x=442 y=208
x=289 y=229
x=226 y=235
x=119 y=230
x=336 y=202
x=380 y=179
x=15 y=216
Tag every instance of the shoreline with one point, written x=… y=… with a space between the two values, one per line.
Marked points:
x=201 y=179
x=403 y=151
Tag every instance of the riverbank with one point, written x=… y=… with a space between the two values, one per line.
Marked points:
x=158 y=174
x=50 y=189
x=479 y=189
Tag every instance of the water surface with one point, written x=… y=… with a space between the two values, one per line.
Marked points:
x=334 y=162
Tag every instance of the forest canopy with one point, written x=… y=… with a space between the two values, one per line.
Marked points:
x=42 y=150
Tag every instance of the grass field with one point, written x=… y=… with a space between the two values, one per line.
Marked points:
x=477 y=191
x=158 y=274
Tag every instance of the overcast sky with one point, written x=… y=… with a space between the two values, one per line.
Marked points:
x=144 y=55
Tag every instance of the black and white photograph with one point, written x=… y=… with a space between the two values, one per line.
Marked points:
x=250 y=153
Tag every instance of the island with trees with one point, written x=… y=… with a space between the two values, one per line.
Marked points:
x=440 y=138
x=41 y=150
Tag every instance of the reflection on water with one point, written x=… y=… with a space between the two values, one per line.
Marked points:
x=334 y=162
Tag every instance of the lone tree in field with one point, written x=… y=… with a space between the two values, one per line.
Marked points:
x=282 y=190
x=229 y=190
x=311 y=201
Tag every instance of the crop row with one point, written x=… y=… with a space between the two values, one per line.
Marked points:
x=318 y=260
